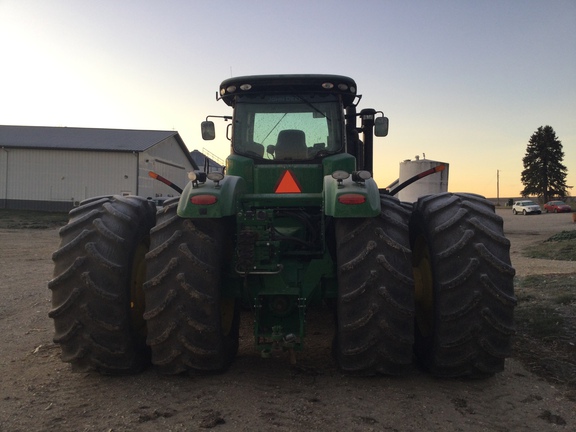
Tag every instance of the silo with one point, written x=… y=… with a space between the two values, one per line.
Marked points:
x=434 y=183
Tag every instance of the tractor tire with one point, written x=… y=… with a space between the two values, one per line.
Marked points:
x=191 y=328
x=375 y=305
x=97 y=299
x=464 y=286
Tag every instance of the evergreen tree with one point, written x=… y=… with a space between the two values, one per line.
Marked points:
x=544 y=175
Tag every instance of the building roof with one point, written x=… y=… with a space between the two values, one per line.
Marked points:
x=71 y=138
x=200 y=158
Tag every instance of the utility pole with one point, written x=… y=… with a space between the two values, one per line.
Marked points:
x=498 y=187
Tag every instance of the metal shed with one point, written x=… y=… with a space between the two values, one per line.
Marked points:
x=54 y=168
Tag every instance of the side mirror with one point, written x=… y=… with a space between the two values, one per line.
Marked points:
x=381 y=126
x=208 y=131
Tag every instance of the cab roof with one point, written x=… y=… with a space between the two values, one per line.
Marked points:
x=287 y=84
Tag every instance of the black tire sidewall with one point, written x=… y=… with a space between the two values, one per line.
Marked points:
x=92 y=285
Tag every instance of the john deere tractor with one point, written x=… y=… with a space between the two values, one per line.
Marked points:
x=294 y=220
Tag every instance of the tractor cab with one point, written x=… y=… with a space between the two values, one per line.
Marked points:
x=293 y=118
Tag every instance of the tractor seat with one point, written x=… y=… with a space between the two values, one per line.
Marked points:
x=291 y=145
x=254 y=149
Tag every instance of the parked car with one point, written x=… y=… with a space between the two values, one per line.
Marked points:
x=526 y=207
x=557 y=207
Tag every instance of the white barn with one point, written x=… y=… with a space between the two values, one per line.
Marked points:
x=54 y=168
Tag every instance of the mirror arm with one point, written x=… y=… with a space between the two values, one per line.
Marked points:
x=222 y=117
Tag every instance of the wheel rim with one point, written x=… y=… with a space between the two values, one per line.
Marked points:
x=137 y=279
x=423 y=287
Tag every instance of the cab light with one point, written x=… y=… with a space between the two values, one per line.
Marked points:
x=231 y=89
x=351 y=199
x=327 y=85
x=245 y=87
x=203 y=199
x=340 y=175
x=361 y=176
x=215 y=176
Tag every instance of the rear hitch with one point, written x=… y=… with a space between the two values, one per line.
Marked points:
x=281 y=342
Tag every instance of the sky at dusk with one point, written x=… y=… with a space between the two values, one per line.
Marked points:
x=465 y=82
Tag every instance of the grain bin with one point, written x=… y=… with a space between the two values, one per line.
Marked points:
x=435 y=183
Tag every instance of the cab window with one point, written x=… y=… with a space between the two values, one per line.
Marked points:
x=287 y=127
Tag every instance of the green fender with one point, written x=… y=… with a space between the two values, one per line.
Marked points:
x=226 y=193
x=348 y=188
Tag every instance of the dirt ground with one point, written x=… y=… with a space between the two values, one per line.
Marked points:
x=40 y=393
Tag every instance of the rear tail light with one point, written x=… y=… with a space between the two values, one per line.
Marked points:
x=351 y=199
x=203 y=199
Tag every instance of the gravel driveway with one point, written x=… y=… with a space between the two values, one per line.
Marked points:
x=523 y=231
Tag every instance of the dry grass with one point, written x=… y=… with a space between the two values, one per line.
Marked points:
x=23 y=219
x=561 y=246
x=546 y=314
x=546 y=326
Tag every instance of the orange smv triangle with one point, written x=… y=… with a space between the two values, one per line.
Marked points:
x=287 y=184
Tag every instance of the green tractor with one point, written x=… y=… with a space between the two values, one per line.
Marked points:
x=295 y=220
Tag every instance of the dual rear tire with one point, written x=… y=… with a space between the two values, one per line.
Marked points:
x=127 y=290
x=190 y=326
x=435 y=281
x=375 y=305
x=97 y=301
x=464 y=290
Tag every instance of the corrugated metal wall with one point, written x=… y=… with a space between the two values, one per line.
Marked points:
x=59 y=179
x=166 y=159
x=3 y=176
x=63 y=175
